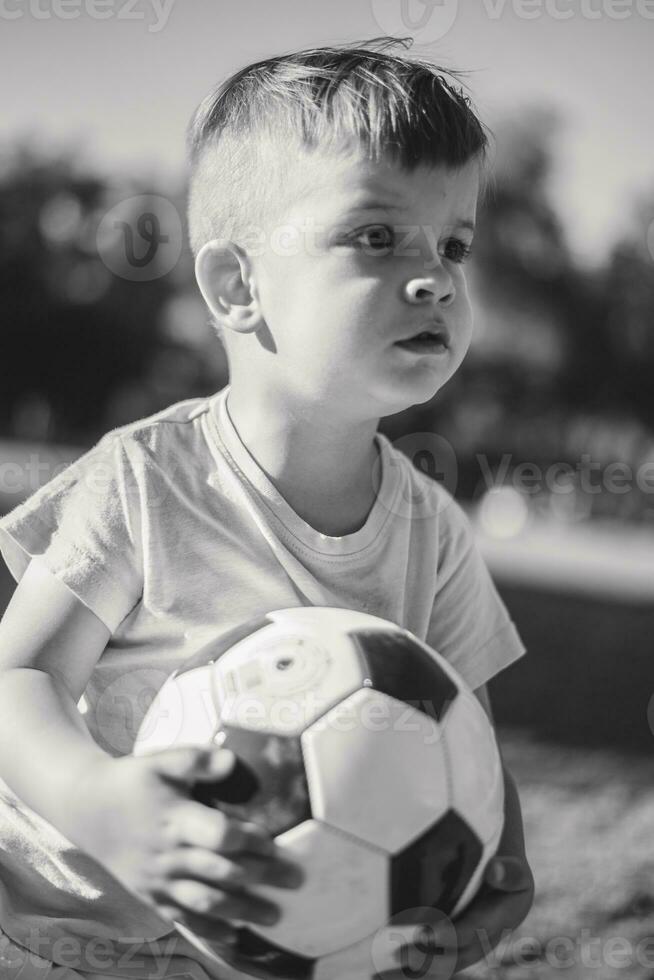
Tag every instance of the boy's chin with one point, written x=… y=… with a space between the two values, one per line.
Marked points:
x=401 y=398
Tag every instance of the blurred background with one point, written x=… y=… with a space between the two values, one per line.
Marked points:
x=548 y=427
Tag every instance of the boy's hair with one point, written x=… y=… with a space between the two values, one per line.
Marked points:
x=246 y=137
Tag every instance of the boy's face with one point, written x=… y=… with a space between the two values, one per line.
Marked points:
x=364 y=256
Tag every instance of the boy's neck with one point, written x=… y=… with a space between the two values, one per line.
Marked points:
x=326 y=471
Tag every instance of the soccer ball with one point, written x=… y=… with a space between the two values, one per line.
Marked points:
x=366 y=756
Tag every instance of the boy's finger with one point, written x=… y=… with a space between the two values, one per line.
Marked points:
x=217 y=764
x=199 y=864
x=188 y=764
x=193 y=823
x=487 y=917
x=508 y=874
x=215 y=903
x=270 y=871
x=204 y=865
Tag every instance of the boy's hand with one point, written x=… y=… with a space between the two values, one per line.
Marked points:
x=190 y=862
x=501 y=904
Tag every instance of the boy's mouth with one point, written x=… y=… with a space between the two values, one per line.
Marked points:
x=431 y=340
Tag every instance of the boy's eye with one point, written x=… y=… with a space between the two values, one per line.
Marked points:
x=457 y=251
x=379 y=238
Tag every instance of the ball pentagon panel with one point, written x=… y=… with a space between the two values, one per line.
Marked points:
x=434 y=869
x=397 y=664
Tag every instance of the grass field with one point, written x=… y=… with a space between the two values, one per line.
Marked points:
x=589 y=824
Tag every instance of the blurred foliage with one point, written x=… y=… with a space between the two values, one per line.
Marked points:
x=560 y=366
x=85 y=349
x=560 y=369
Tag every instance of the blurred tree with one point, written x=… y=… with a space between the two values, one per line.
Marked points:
x=627 y=302
x=74 y=331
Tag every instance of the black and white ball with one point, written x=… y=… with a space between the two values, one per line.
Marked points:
x=366 y=756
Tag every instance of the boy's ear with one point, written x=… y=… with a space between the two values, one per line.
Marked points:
x=222 y=271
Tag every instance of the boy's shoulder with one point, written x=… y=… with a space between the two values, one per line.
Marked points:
x=158 y=441
x=164 y=436
x=180 y=414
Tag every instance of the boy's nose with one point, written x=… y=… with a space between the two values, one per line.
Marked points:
x=416 y=290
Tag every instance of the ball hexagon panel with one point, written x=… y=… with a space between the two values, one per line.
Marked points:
x=346 y=890
x=417 y=678
x=217 y=646
x=185 y=709
x=183 y=713
x=365 y=758
x=267 y=785
x=280 y=681
x=478 y=783
x=435 y=868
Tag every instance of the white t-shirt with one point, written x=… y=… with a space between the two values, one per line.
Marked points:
x=170 y=532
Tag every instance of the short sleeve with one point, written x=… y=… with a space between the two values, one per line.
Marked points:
x=84 y=525
x=469 y=624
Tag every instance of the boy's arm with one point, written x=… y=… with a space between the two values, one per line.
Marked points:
x=49 y=645
x=134 y=815
x=501 y=904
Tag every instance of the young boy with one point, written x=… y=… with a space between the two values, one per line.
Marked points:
x=332 y=204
